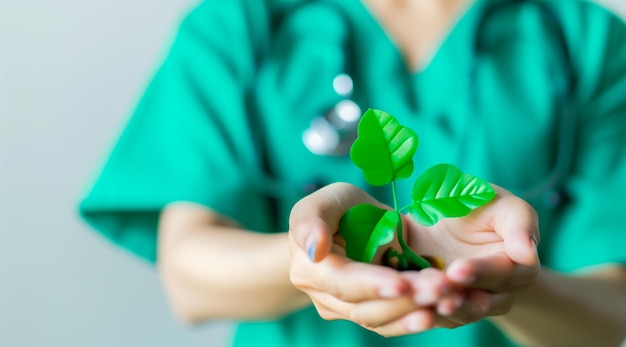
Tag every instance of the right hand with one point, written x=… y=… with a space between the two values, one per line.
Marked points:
x=378 y=298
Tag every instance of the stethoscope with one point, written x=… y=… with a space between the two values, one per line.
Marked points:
x=332 y=133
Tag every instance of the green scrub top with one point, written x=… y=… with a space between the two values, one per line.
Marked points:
x=221 y=124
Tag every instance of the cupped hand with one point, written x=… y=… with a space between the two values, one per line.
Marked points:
x=378 y=298
x=491 y=254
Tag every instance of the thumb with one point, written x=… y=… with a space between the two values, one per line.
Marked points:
x=315 y=218
x=516 y=222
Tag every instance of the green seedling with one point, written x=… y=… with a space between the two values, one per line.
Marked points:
x=384 y=150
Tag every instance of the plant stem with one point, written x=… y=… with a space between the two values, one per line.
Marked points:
x=395 y=196
x=394 y=254
x=408 y=252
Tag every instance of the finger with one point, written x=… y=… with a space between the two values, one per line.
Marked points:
x=315 y=218
x=449 y=304
x=515 y=221
x=429 y=286
x=356 y=282
x=377 y=313
x=444 y=322
x=491 y=304
x=476 y=305
x=330 y=308
x=317 y=242
x=412 y=323
x=494 y=272
x=348 y=280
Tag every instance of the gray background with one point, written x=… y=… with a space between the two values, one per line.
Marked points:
x=70 y=73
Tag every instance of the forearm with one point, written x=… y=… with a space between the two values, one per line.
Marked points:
x=587 y=309
x=212 y=269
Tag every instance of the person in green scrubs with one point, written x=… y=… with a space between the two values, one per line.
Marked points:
x=215 y=166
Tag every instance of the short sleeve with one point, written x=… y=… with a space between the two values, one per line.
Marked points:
x=593 y=230
x=189 y=138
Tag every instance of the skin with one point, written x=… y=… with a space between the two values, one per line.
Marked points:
x=417 y=27
x=253 y=282
x=479 y=249
x=493 y=271
x=495 y=275
x=583 y=309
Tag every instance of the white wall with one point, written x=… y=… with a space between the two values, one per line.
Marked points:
x=70 y=72
x=618 y=6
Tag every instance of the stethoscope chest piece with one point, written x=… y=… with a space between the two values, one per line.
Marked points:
x=333 y=132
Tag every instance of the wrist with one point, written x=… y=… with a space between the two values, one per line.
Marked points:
x=581 y=309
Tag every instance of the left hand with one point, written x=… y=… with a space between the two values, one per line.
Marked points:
x=375 y=297
x=491 y=254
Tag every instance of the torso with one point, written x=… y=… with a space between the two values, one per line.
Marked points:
x=460 y=106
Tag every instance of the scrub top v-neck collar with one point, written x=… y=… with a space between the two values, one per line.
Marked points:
x=445 y=74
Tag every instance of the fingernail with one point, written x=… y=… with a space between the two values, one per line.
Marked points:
x=425 y=297
x=412 y=325
x=412 y=322
x=446 y=308
x=463 y=276
x=390 y=292
x=311 y=247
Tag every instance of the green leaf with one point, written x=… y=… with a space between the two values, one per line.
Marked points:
x=384 y=149
x=444 y=191
x=365 y=228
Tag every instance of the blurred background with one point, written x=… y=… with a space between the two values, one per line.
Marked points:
x=70 y=73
